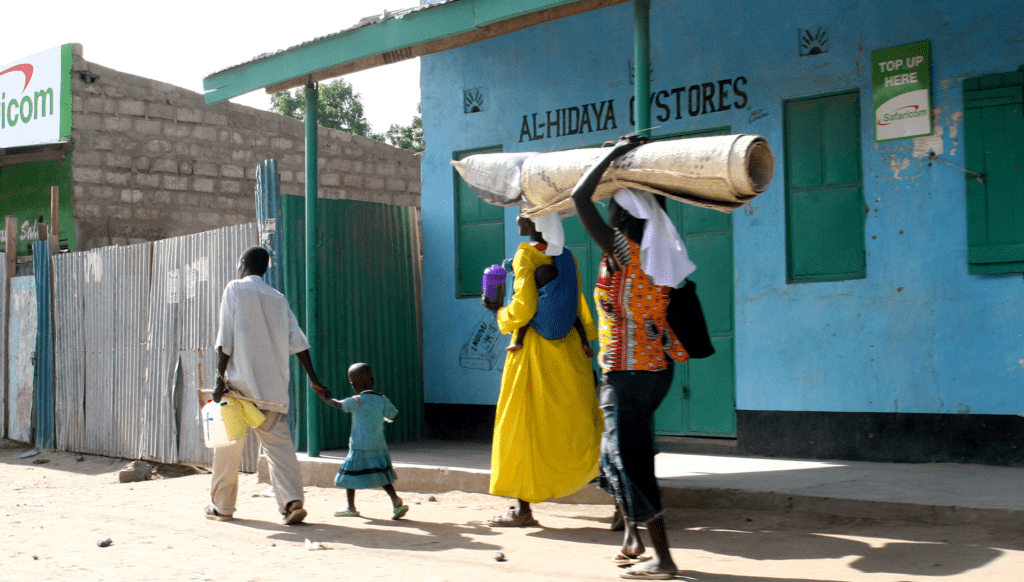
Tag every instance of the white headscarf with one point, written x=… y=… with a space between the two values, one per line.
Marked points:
x=550 y=228
x=662 y=252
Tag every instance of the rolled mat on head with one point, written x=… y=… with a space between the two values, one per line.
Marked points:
x=718 y=172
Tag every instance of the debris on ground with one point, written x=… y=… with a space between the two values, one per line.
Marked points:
x=431 y=498
x=104 y=543
x=267 y=493
x=29 y=454
x=318 y=545
x=499 y=557
x=40 y=461
x=135 y=471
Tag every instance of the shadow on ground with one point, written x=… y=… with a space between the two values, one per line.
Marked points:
x=900 y=548
x=404 y=534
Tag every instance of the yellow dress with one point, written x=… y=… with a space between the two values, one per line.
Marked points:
x=547 y=429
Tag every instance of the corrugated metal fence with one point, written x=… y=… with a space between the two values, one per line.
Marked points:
x=43 y=404
x=134 y=330
x=370 y=277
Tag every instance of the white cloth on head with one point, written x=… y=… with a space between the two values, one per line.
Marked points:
x=550 y=228
x=662 y=252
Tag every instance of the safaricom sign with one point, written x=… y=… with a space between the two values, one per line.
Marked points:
x=901 y=90
x=30 y=100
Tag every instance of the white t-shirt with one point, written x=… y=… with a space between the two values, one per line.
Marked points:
x=259 y=331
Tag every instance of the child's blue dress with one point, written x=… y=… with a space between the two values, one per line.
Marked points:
x=368 y=463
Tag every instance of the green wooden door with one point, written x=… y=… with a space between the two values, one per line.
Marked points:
x=994 y=131
x=824 y=191
x=702 y=401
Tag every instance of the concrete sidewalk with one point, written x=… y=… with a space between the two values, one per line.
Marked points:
x=937 y=493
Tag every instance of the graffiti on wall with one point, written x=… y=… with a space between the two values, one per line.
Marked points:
x=482 y=350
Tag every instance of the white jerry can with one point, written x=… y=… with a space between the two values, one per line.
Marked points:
x=215 y=431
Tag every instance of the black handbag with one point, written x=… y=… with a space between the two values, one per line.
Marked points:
x=686 y=319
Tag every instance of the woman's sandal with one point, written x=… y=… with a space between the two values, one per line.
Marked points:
x=638 y=574
x=513 y=519
x=621 y=559
x=346 y=513
x=400 y=511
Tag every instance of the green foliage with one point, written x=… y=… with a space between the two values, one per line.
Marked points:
x=339 y=107
x=407 y=137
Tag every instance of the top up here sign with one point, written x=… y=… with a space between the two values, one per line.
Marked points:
x=901 y=88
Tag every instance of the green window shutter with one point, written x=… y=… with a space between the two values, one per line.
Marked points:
x=479 y=233
x=994 y=147
x=824 y=189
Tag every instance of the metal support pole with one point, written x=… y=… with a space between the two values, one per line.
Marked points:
x=312 y=278
x=642 y=65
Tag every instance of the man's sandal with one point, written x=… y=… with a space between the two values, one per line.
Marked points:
x=346 y=513
x=212 y=513
x=294 y=513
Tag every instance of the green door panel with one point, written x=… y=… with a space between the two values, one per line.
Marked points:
x=480 y=246
x=712 y=412
x=842 y=146
x=831 y=232
x=673 y=415
x=803 y=127
x=479 y=232
x=713 y=278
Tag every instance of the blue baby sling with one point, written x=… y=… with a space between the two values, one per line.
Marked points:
x=557 y=301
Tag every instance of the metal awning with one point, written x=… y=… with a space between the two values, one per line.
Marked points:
x=389 y=38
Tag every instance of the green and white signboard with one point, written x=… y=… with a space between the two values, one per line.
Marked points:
x=901 y=88
x=35 y=99
x=35 y=110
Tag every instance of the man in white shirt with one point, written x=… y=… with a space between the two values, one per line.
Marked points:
x=258 y=333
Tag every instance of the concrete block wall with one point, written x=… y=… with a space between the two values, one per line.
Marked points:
x=152 y=160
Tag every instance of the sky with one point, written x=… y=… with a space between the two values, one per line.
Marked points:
x=183 y=41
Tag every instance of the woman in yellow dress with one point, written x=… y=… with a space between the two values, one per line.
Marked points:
x=547 y=428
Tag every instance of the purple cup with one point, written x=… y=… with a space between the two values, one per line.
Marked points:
x=494 y=280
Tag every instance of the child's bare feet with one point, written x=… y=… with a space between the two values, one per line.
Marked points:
x=514 y=348
x=586 y=350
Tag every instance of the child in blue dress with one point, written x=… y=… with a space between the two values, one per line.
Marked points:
x=368 y=463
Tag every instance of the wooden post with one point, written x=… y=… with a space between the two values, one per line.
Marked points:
x=54 y=220
x=11 y=247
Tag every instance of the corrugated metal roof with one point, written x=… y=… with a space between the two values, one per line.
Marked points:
x=363 y=22
x=430 y=29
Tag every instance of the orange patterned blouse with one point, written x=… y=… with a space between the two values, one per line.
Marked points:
x=632 y=328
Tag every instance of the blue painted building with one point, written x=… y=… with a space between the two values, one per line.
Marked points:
x=871 y=303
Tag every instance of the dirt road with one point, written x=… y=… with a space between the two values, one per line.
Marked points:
x=54 y=512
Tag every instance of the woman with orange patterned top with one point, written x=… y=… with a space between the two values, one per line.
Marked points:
x=643 y=259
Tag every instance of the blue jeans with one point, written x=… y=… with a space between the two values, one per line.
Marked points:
x=628 y=402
